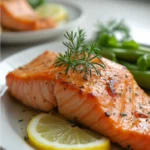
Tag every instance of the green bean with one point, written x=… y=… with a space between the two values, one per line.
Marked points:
x=107 y=54
x=124 y=50
x=143 y=62
x=142 y=77
x=126 y=54
x=145 y=49
x=128 y=65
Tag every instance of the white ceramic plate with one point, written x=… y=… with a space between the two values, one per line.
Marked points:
x=12 y=131
x=76 y=16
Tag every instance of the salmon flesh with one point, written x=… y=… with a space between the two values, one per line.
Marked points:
x=111 y=104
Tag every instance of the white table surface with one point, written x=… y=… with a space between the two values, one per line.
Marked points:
x=135 y=12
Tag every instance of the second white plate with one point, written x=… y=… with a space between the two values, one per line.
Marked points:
x=76 y=16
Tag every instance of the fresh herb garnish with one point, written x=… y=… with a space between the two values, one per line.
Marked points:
x=123 y=114
x=75 y=41
x=113 y=27
x=115 y=34
x=79 y=56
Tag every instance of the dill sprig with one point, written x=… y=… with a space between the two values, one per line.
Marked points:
x=75 y=40
x=79 y=55
x=113 y=27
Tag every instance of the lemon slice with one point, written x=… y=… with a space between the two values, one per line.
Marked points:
x=56 y=11
x=53 y=132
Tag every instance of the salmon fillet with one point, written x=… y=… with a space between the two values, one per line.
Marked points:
x=18 y=15
x=111 y=104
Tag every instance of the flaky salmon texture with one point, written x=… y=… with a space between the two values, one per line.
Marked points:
x=111 y=104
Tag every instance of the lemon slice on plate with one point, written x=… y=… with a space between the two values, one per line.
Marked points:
x=53 y=132
x=56 y=11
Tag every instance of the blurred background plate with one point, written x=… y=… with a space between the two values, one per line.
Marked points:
x=75 y=15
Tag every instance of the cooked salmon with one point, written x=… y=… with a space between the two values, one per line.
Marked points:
x=18 y=15
x=111 y=104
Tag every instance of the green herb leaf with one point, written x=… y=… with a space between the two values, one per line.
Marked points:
x=79 y=55
x=123 y=114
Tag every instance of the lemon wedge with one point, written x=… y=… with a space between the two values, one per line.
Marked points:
x=53 y=132
x=56 y=11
